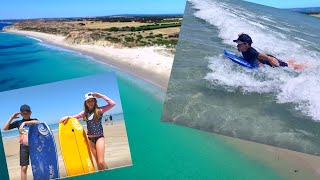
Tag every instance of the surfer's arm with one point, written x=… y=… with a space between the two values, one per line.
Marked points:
x=7 y=125
x=273 y=61
x=110 y=105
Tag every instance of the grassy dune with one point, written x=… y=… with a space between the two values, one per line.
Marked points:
x=119 y=32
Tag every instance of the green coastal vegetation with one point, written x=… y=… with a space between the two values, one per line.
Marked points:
x=311 y=11
x=108 y=31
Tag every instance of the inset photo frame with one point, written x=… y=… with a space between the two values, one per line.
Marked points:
x=64 y=129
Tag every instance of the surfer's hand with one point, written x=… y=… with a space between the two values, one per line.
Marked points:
x=274 y=62
x=64 y=119
x=15 y=115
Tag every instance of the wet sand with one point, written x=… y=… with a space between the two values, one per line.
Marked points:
x=290 y=164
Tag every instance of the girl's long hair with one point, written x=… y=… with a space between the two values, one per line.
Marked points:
x=97 y=112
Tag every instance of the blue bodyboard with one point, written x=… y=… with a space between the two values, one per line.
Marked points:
x=43 y=152
x=239 y=60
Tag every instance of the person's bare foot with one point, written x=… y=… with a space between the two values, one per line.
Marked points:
x=292 y=63
x=298 y=67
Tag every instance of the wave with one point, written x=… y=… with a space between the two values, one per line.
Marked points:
x=57 y=48
x=9 y=137
x=35 y=38
x=287 y=86
x=232 y=21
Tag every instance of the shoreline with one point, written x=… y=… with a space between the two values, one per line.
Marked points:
x=315 y=15
x=145 y=63
x=287 y=163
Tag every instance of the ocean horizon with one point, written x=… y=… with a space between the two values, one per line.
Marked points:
x=116 y=118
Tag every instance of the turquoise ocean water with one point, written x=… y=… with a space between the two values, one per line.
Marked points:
x=159 y=150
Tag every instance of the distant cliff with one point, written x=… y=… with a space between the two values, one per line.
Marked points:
x=314 y=11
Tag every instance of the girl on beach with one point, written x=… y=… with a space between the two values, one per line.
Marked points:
x=92 y=114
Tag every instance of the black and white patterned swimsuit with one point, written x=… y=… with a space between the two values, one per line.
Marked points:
x=94 y=127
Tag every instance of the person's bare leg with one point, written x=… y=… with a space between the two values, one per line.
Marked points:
x=94 y=152
x=24 y=172
x=100 y=153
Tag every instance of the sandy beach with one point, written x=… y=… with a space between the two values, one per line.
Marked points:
x=117 y=152
x=315 y=15
x=290 y=164
x=149 y=63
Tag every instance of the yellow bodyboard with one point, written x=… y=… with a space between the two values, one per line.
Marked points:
x=75 y=148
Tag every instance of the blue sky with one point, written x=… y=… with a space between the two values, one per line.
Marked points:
x=288 y=3
x=52 y=101
x=15 y=9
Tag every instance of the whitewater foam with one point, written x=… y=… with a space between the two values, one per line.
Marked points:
x=53 y=47
x=39 y=40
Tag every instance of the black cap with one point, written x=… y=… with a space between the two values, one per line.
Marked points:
x=25 y=108
x=243 y=38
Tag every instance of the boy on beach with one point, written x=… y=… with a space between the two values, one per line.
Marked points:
x=252 y=56
x=110 y=119
x=106 y=120
x=22 y=125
